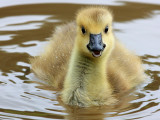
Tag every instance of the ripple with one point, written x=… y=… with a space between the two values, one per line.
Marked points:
x=6 y=21
x=17 y=2
x=30 y=26
x=6 y=37
x=32 y=48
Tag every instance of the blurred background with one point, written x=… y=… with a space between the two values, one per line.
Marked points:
x=25 y=28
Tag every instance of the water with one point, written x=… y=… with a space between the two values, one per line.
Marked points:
x=25 y=27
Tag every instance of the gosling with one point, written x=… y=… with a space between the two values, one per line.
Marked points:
x=86 y=62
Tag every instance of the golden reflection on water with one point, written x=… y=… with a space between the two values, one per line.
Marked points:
x=24 y=31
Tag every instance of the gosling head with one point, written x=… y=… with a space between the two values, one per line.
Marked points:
x=94 y=31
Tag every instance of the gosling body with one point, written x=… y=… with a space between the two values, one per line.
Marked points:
x=87 y=74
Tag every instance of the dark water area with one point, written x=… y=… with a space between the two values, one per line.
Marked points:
x=25 y=28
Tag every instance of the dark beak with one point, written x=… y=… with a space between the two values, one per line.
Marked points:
x=96 y=45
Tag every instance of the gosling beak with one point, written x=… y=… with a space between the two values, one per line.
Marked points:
x=96 y=45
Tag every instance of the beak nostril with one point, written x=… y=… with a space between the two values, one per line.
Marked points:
x=88 y=47
x=104 y=45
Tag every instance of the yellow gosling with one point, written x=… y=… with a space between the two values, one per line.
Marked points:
x=86 y=61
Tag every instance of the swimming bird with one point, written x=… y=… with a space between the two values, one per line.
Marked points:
x=87 y=62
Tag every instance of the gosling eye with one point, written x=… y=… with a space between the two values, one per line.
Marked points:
x=83 y=30
x=106 y=29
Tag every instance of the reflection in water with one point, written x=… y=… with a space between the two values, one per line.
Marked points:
x=24 y=30
x=153 y=63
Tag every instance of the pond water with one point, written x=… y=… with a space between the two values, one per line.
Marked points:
x=25 y=27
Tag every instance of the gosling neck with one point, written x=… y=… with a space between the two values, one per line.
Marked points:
x=87 y=73
x=86 y=82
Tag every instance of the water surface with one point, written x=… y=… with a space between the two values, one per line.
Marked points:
x=25 y=29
